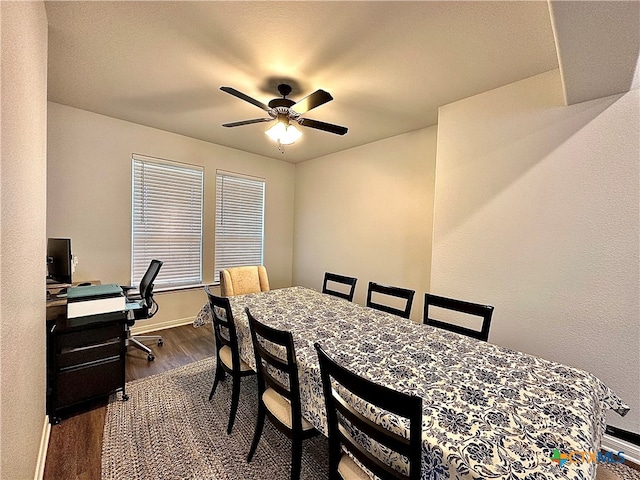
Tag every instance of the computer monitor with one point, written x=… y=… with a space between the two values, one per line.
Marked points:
x=59 y=260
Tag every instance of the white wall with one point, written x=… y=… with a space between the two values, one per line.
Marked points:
x=537 y=213
x=22 y=242
x=89 y=198
x=367 y=212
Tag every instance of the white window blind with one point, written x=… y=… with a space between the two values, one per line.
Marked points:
x=167 y=221
x=239 y=221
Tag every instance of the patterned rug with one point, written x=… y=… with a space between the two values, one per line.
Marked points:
x=168 y=429
x=616 y=471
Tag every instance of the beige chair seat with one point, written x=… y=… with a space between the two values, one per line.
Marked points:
x=227 y=359
x=350 y=469
x=281 y=408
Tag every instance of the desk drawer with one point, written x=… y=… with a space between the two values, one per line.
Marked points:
x=89 y=336
x=91 y=380
x=78 y=356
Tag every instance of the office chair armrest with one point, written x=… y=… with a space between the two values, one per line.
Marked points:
x=130 y=292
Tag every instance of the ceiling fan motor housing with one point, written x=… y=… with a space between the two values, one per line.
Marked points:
x=284 y=90
x=281 y=102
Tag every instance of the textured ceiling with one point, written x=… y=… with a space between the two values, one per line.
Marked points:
x=388 y=65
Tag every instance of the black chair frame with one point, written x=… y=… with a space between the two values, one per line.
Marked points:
x=476 y=309
x=341 y=415
x=226 y=325
x=265 y=361
x=146 y=308
x=403 y=293
x=334 y=277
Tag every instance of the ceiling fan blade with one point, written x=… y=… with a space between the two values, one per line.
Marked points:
x=317 y=98
x=327 y=127
x=247 y=122
x=246 y=98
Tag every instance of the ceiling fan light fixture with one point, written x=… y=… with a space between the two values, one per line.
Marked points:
x=284 y=134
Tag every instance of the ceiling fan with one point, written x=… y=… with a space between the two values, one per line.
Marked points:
x=286 y=112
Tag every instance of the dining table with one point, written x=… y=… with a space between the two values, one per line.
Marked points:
x=489 y=412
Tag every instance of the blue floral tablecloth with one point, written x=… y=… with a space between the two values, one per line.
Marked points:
x=489 y=412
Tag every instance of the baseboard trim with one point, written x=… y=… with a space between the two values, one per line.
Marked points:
x=615 y=445
x=141 y=327
x=44 y=446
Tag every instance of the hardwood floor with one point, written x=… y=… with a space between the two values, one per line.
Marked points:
x=75 y=445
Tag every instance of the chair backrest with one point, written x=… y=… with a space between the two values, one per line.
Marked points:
x=241 y=280
x=146 y=287
x=346 y=424
x=224 y=326
x=334 y=277
x=483 y=311
x=402 y=293
x=276 y=356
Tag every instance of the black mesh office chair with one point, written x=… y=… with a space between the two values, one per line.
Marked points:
x=143 y=306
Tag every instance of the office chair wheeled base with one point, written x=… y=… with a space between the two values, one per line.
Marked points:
x=135 y=341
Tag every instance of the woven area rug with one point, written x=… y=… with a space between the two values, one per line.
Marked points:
x=616 y=471
x=169 y=430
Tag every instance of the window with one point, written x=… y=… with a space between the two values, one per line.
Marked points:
x=166 y=221
x=239 y=221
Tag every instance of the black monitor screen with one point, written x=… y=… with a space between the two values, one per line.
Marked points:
x=59 y=260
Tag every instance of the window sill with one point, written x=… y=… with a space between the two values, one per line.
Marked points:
x=181 y=288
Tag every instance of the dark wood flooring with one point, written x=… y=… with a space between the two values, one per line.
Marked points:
x=75 y=444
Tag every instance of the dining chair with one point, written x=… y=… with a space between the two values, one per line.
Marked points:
x=332 y=278
x=278 y=389
x=227 y=351
x=475 y=309
x=376 y=290
x=349 y=429
x=245 y=279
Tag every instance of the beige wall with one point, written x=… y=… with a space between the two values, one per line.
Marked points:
x=537 y=213
x=89 y=198
x=367 y=212
x=22 y=242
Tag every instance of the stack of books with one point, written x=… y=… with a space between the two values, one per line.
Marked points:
x=88 y=301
